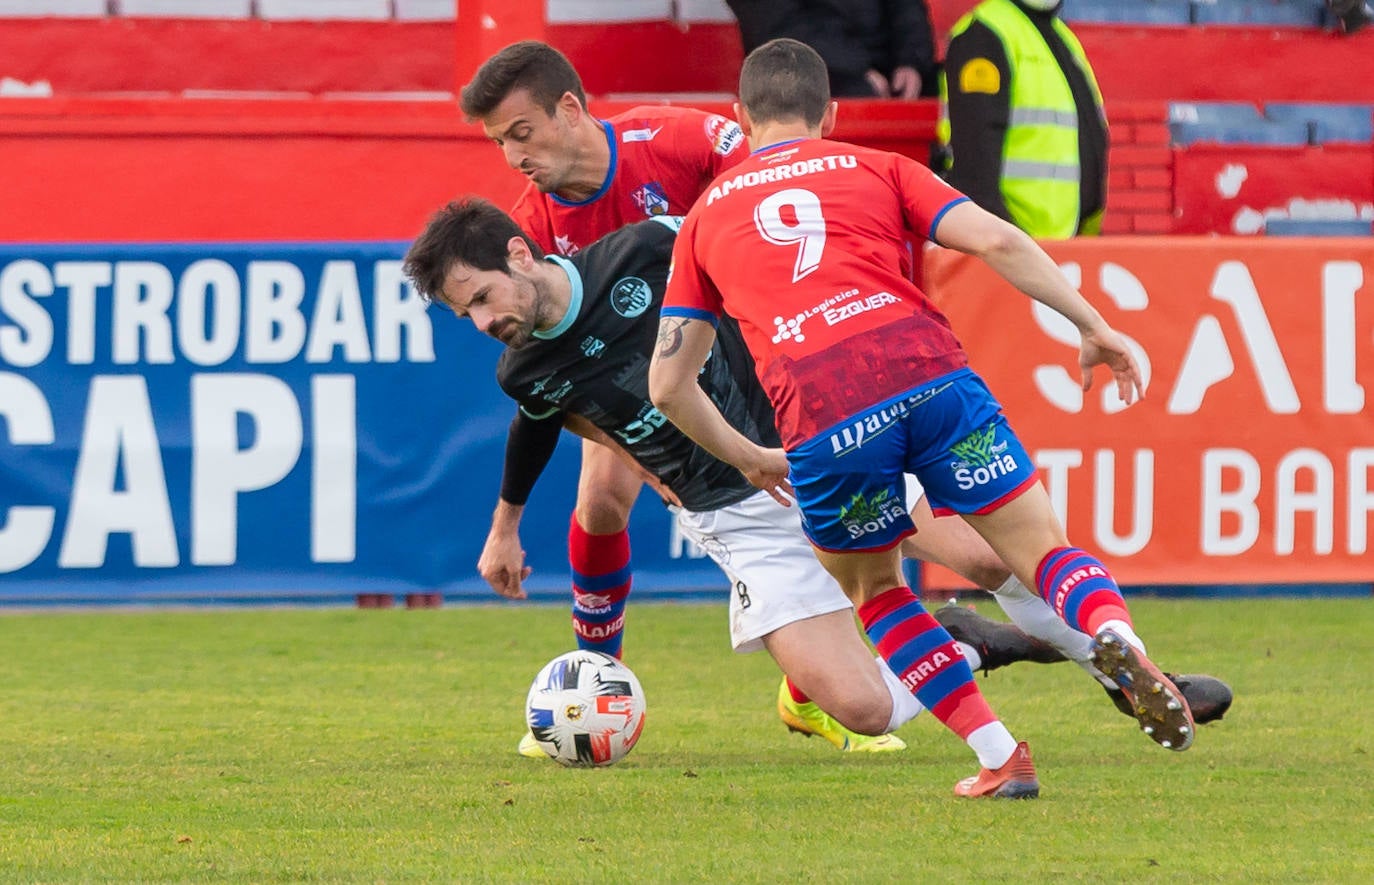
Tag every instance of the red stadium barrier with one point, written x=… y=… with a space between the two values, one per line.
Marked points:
x=1231 y=188
x=89 y=169
x=174 y=170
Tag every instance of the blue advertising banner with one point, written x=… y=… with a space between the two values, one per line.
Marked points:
x=238 y=422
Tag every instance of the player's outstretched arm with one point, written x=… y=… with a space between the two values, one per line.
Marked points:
x=683 y=345
x=1020 y=261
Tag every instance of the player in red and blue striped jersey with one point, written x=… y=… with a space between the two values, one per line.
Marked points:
x=802 y=244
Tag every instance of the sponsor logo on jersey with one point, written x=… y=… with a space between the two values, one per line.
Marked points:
x=867 y=427
x=593 y=347
x=781 y=172
x=649 y=422
x=651 y=198
x=925 y=669
x=979 y=459
x=631 y=296
x=790 y=329
x=632 y=135
x=867 y=516
x=565 y=246
x=851 y=309
x=724 y=134
x=540 y=388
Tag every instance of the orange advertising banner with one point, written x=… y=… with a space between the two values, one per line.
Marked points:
x=1251 y=459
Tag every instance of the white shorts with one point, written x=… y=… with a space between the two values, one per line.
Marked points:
x=775 y=578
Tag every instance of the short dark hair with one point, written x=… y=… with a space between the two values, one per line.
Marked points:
x=531 y=65
x=470 y=230
x=784 y=79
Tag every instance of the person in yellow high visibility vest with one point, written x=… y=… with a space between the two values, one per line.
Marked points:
x=1021 y=125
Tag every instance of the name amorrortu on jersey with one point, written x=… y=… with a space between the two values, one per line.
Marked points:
x=782 y=171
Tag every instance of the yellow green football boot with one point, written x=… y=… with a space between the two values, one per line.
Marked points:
x=530 y=749
x=809 y=719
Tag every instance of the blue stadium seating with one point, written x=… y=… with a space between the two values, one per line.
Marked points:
x=1231 y=122
x=1318 y=227
x=1296 y=13
x=1327 y=122
x=1143 y=12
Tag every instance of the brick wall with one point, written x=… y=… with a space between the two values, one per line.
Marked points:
x=1140 y=169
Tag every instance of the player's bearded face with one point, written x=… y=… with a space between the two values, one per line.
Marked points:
x=516 y=326
x=508 y=307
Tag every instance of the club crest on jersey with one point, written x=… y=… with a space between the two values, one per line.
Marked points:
x=725 y=135
x=631 y=296
x=651 y=198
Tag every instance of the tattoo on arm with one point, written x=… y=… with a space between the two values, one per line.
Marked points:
x=670 y=336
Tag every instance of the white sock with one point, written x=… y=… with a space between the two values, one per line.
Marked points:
x=993 y=744
x=905 y=707
x=975 y=660
x=1122 y=629
x=1035 y=618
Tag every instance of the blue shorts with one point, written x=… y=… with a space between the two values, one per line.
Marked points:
x=950 y=433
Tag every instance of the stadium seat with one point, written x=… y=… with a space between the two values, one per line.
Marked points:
x=1231 y=122
x=1296 y=13
x=1328 y=122
x=64 y=8
x=426 y=10
x=600 y=11
x=1318 y=227
x=184 y=8
x=1142 y=12
x=323 y=10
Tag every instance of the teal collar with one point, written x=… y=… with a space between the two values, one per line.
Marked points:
x=574 y=299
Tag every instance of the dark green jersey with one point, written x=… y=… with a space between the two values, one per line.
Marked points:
x=595 y=363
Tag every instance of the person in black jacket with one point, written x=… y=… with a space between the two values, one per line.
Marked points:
x=1352 y=15
x=873 y=48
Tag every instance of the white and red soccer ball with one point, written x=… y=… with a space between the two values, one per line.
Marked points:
x=585 y=709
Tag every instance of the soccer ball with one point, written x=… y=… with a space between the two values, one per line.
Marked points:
x=585 y=709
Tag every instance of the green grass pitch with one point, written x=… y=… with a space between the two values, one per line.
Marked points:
x=340 y=745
